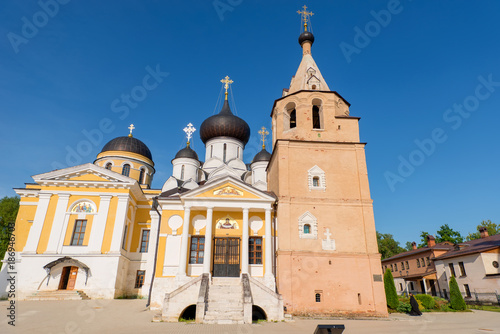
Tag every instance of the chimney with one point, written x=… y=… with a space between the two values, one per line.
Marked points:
x=431 y=241
x=484 y=232
x=414 y=245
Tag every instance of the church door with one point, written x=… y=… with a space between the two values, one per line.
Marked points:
x=68 y=278
x=227 y=257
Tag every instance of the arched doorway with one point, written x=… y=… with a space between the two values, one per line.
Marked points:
x=258 y=313
x=189 y=313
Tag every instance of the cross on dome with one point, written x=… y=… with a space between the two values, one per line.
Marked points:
x=305 y=16
x=263 y=133
x=131 y=127
x=226 y=81
x=189 y=130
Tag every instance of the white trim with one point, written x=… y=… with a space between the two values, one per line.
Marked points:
x=315 y=171
x=308 y=218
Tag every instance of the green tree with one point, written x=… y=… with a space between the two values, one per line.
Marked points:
x=390 y=290
x=457 y=302
x=9 y=206
x=423 y=239
x=408 y=246
x=491 y=227
x=446 y=233
x=387 y=246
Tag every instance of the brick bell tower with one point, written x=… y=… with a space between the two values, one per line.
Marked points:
x=327 y=254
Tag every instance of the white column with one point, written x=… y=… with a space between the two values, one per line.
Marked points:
x=268 y=245
x=184 y=242
x=36 y=229
x=207 y=257
x=99 y=225
x=425 y=285
x=57 y=224
x=244 y=248
x=121 y=215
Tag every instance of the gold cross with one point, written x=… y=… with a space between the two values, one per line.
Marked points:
x=263 y=133
x=131 y=127
x=226 y=81
x=305 y=14
x=189 y=129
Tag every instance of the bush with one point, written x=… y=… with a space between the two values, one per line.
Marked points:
x=390 y=290
x=457 y=302
x=404 y=307
x=427 y=301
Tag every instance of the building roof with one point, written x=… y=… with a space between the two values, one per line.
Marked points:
x=187 y=152
x=128 y=144
x=473 y=246
x=263 y=155
x=440 y=246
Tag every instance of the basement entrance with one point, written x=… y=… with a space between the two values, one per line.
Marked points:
x=226 y=257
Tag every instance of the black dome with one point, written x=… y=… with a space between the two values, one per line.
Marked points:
x=225 y=124
x=262 y=156
x=306 y=36
x=187 y=152
x=128 y=144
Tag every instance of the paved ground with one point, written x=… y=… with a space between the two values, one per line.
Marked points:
x=130 y=316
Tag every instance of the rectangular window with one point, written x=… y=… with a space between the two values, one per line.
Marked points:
x=197 y=250
x=144 y=241
x=139 y=278
x=407 y=265
x=452 y=269
x=401 y=286
x=467 y=291
x=78 y=232
x=462 y=269
x=411 y=286
x=428 y=261
x=402 y=265
x=392 y=268
x=255 y=250
x=423 y=262
x=418 y=263
x=124 y=241
x=395 y=267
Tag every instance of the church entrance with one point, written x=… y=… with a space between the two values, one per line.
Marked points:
x=68 y=278
x=226 y=257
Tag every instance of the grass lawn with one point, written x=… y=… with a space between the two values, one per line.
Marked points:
x=484 y=308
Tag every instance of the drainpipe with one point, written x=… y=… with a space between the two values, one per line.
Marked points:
x=275 y=205
x=155 y=207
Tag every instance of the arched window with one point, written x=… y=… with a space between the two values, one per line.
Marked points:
x=108 y=165
x=182 y=172
x=318 y=298
x=211 y=150
x=316 y=118
x=307 y=229
x=316 y=181
x=126 y=170
x=293 y=119
x=224 y=156
x=141 y=177
x=238 y=152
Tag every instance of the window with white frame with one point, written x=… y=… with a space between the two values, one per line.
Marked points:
x=316 y=179
x=308 y=226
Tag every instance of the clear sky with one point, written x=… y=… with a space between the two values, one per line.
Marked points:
x=424 y=76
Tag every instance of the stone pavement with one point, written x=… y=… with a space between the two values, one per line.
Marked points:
x=130 y=316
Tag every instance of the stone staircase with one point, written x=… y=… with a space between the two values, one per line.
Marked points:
x=225 y=301
x=58 y=295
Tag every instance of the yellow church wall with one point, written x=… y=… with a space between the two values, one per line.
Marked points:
x=110 y=224
x=32 y=186
x=165 y=216
x=25 y=215
x=237 y=216
x=47 y=225
x=136 y=236
x=161 y=256
x=71 y=226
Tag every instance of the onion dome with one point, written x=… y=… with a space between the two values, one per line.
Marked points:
x=225 y=124
x=306 y=36
x=128 y=144
x=262 y=156
x=187 y=152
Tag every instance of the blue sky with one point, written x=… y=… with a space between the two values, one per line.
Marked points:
x=424 y=76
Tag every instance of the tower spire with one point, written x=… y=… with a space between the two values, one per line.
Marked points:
x=305 y=16
x=226 y=81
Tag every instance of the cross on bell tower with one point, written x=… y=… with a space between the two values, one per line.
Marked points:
x=305 y=16
x=189 y=130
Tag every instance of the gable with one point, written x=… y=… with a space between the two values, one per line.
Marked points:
x=88 y=177
x=227 y=190
x=82 y=173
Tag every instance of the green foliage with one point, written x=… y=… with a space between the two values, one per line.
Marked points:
x=9 y=206
x=428 y=302
x=387 y=246
x=390 y=290
x=423 y=239
x=446 y=233
x=408 y=246
x=404 y=307
x=491 y=227
x=457 y=302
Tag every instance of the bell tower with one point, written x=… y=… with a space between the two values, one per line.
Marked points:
x=327 y=253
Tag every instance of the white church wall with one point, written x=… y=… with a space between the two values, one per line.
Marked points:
x=172 y=255
x=190 y=168
x=215 y=148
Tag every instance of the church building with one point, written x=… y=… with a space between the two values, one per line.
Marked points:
x=291 y=232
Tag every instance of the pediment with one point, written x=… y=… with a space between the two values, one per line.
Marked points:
x=86 y=173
